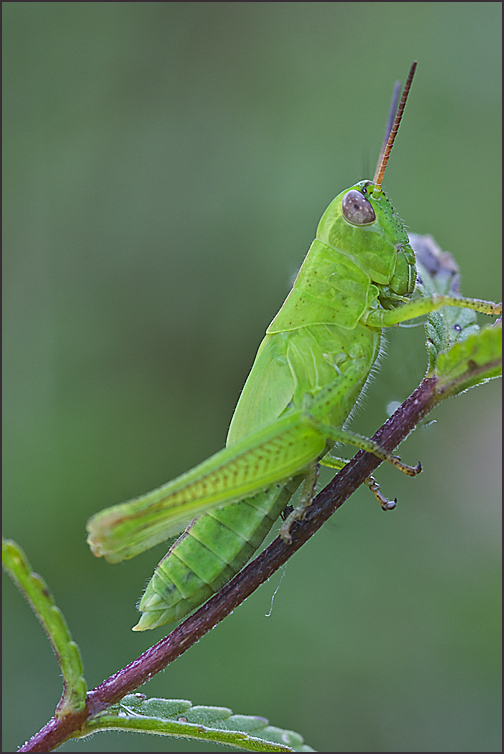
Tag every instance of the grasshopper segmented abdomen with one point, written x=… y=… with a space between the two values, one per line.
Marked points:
x=212 y=550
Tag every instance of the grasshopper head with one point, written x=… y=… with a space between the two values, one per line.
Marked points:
x=362 y=223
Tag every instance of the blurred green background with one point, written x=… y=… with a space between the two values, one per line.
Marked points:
x=165 y=167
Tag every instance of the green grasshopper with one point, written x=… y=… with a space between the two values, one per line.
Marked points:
x=357 y=278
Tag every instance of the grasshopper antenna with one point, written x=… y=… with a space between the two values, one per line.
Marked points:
x=393 y=126
x=392 y=112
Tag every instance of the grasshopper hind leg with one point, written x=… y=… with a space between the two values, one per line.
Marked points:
x=307 y=495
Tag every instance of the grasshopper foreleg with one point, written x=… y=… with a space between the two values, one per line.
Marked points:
x=421 y=306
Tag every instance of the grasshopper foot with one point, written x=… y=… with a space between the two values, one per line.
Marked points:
x=284 y=530
x=386 y=504
x=409 y=470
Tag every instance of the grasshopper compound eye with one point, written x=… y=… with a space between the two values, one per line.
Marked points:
x=356 y=209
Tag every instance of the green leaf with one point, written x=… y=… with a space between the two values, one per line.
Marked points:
x=461 y=355
x=179 y=718
x=471 y=362
x=43 y=605
x=437 y=272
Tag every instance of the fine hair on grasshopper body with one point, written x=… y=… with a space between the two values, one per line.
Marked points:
x=358 y=277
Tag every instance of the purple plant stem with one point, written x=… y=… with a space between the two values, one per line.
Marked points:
x=125 y=681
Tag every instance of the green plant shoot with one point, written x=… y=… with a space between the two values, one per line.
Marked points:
x=357 y=278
